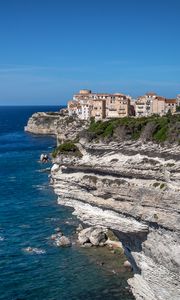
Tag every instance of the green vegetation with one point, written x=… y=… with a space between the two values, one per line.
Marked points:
x=156 y=216
x=153 y=128
x=170 y=165
x=68 y=148
x=160 y=135
x=107 y=128
x=112 y=236
x=162 y=185
x=156 y=184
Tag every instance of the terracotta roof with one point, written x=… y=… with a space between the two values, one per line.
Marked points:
x=160 y=98
x=151 y=94
x=173 y=101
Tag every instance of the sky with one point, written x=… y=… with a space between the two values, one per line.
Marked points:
x=50 y=49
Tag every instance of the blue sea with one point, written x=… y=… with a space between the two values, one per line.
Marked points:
x=29 y=214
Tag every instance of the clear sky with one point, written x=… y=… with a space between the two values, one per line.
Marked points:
x=49 y=49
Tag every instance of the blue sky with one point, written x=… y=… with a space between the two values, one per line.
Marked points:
x=49 y=49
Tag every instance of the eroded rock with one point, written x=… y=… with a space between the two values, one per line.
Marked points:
x=63 y=241
x=133 y=189
x=95 y=236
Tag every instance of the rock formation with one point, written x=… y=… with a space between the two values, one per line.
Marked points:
x=54 y=123
x=133 y=189
x=95 y=236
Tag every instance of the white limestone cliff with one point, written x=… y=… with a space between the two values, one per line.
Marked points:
x=133 y=189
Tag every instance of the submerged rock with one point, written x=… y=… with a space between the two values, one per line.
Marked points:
x=63 y=241
x=34 y=250
x=57 y=229
x=86 y=245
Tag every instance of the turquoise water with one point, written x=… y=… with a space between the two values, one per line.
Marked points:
x=28 y=216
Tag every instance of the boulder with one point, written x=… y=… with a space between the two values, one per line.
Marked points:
x=53 y=237
x=63 y=241
x=86 y=245
x=57 y=229
x=79 y=228
x=84 y=235
x=98 y=237
x=55 y=168
x=94 y=235
x=127 y=264
x=56 y=236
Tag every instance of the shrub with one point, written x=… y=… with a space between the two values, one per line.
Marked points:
x=161 y=134
x=67 y=148
x=178 y=109
x=159 y=129
x=162 y=185
x=156 y=184
x=156 y=216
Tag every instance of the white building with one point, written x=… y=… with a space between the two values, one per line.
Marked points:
x=144 y=104
x=178 y=100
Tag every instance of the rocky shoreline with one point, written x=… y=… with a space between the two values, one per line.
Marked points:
x=133 y=189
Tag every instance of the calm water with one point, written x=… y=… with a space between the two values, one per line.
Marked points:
x=28 y=216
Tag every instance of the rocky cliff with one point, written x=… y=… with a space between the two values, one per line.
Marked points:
x=43 y=123
x=130 y=187
x=133 y=189
x=54 y=123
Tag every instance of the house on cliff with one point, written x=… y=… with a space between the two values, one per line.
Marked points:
x=151 y=103
x=144 y=104
x=86 y=104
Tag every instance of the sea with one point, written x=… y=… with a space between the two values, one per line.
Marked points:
x=29 y=215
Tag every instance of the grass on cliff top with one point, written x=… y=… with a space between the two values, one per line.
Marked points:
x=68 y=148
x=159 y=129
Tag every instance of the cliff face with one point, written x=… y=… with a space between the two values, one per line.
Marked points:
x=43 y=123
x=133 y=189
x=54 y=123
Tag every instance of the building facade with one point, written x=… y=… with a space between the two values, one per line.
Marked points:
x=117 y=106
x=178 y=100
x=98 y=109
x=159 y=106
x=144 y=105
x=170 y=105
x=86 y=104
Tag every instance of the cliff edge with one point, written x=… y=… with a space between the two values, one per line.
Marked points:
x=117 y=175
x=133 y=189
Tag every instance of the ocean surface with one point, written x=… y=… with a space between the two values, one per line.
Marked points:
x=29 y=214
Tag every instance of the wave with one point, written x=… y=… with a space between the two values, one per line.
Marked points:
x=32 y=250
x=40 y=187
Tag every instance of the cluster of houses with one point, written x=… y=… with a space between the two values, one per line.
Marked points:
x=87 y=104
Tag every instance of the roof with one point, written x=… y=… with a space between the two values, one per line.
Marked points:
x=160 y=98
x=151 y=94
x=170 y=101
x=118 y=94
